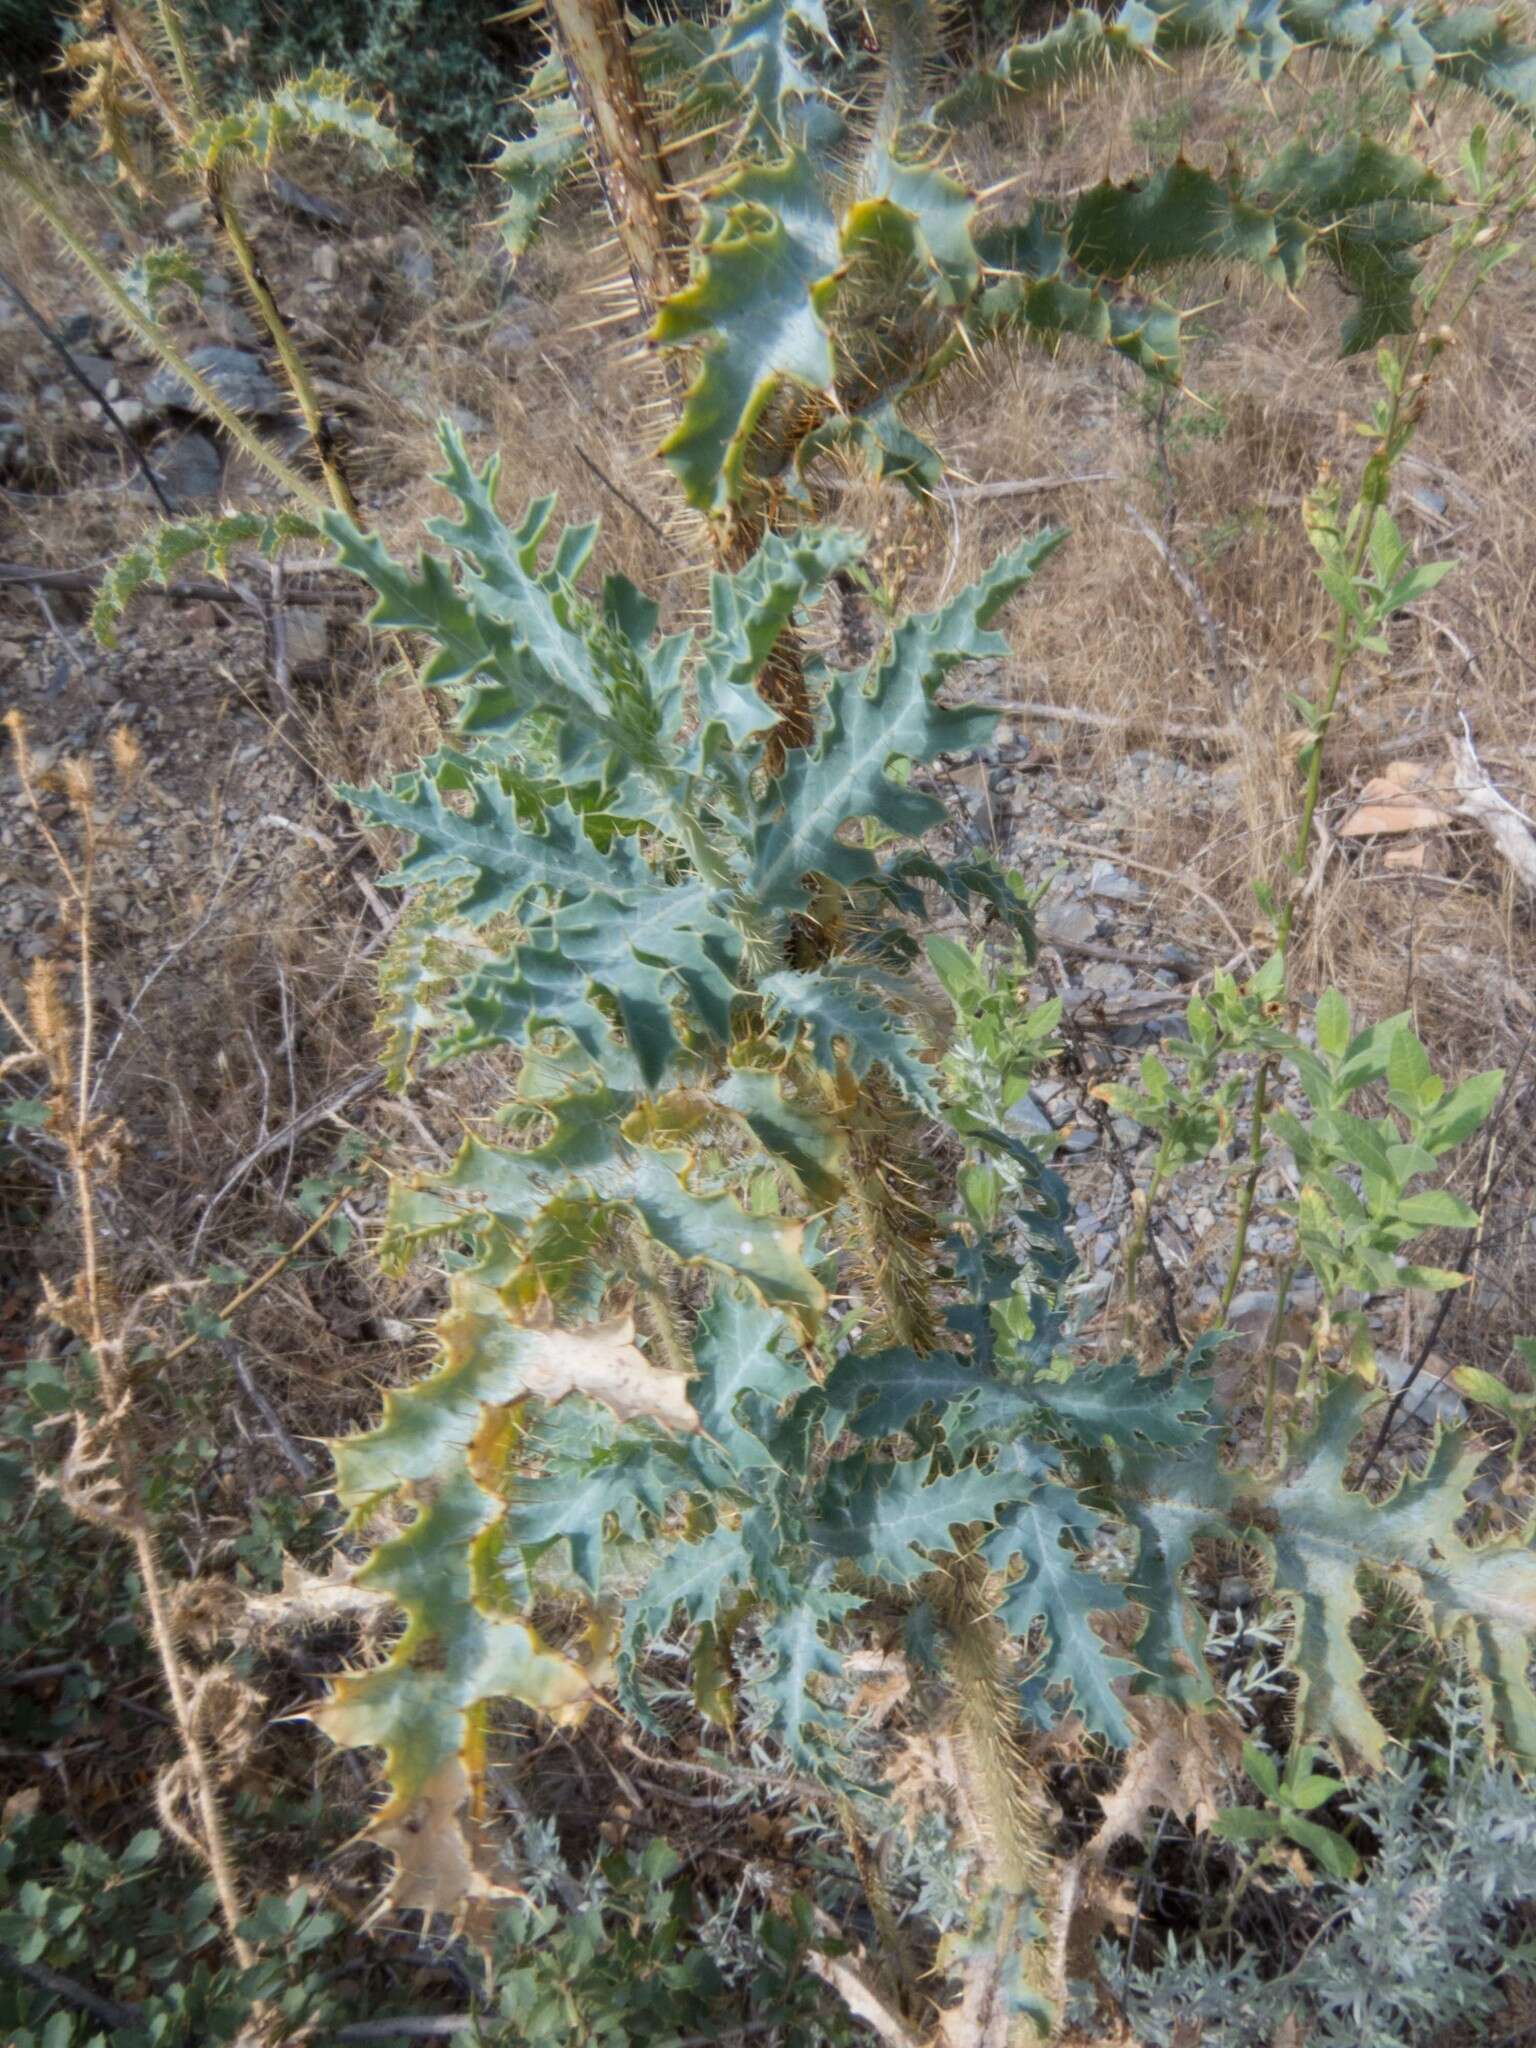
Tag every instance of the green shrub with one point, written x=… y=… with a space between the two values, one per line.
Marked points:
x=448 y=74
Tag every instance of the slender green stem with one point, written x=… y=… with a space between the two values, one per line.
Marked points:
x=1136 y=1244
x=1270 y=1359
x=1250 y=1185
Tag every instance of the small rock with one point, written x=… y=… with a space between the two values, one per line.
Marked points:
x=181 y=220
x=467 y=422
x=189 y=465
x=413 y=260
x=513 y=338
x=306 y=205
x=1234 y=1592
x=307 y=638
x=238 y=377
x=1107 y=880
x=130 y=411
x=1067 y=920
x=326 y=263
x=1130 y=1133
x=1028 y=1115
x=1081 y=1138
x=1429 y=1399
x=1110 y=977
x=97 y=371
x=1432 y=502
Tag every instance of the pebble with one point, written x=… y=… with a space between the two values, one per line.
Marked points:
x=1107 y=880
x=237 y=376
x=181 y=220
x=1068 y=920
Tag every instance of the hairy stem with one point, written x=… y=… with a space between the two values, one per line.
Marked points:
x=182 y=122
x=1250 y=1186
x=155 y=337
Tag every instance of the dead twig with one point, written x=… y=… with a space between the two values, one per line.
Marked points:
x=1478 y=798
x=1114 y=721
x=113 y=418
x=1215 y=637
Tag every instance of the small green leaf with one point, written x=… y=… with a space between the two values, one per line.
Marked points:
x=1332 y=1023
x=1323 y=1845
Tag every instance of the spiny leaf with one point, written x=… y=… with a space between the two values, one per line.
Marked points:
x=1056 y=1593
x=503 y=859
x=873 y=718
x=714 y=1230
x=531 y=168
x=489 y=1361
x=848 y=1024
x=796 y=1133
x=740 y=1353
x=889 y=1519
x=1324 y=1535
x=877 y=1393
x=323 y=105
x=643 y=954
x=764 y=274
x=749 y=612
x=425 y=1706
x=210 y=539
x=156 y=271
x=805 y=1724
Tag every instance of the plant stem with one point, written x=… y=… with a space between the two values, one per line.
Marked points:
x=264 y=1279
x=1136 y=1243
x=118 y=1394
x=1250 y=1185
x=155 y=337
x=1271 y=1355
x=660 y=1315
x=227 y=217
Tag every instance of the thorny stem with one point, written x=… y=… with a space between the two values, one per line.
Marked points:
x=656 y=1303
x=155 y=337
x=227 y=217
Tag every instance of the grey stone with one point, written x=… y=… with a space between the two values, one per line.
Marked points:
x=1081 y=1138
x=237 y=376
x=1234 y=1592
x=1028 y=1116
x=1130 y=1133
x=1111 y=977
x=466 y=421
x=513 y=338
x=181 y=220
x=414 y=261
x=1068 y=920
x=189 y=465
x=1429 y=1399
x=130 y=411
x=306 y=205
x=1107 y=880
x=306 y=638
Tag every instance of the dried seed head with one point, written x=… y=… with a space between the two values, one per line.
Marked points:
x=48 y=1014
x=79 y=782
x=127 y=756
